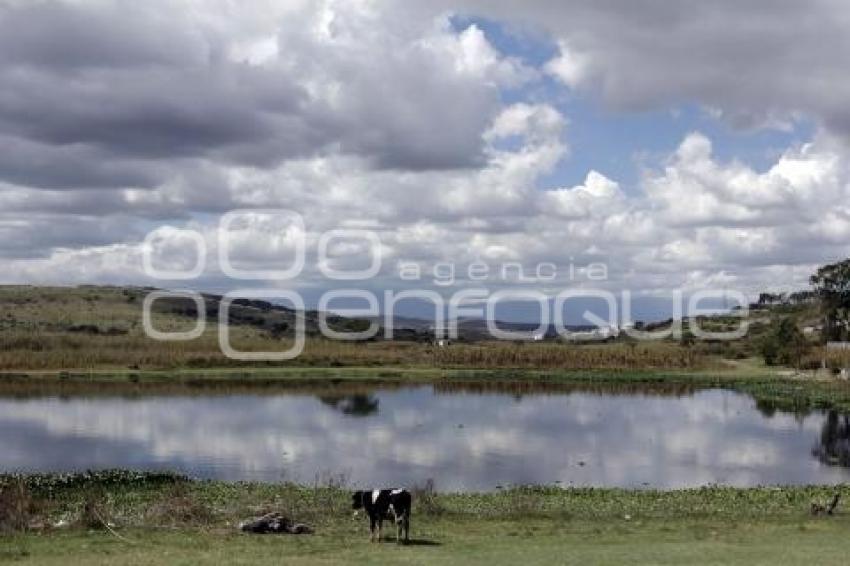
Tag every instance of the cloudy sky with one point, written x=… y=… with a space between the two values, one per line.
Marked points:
x=684 y=144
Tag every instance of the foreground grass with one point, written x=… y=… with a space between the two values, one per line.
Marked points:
x=465 y=542
x=179 y=522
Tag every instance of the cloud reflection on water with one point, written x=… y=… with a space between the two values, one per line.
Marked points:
x=463 y=441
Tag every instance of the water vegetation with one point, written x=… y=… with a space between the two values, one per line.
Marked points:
x=798 y=393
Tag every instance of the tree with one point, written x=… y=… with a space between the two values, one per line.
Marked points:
x=770 y=350
x=771 y=298
x=832 y=285
x=785 y=346
x=802 y=297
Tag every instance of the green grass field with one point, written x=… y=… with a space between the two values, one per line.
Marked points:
x=444 y=542
x=194 y=523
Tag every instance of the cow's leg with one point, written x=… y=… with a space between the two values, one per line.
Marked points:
x=380 y=529
x=407 y=527
x=372 y=527
x=397 y=521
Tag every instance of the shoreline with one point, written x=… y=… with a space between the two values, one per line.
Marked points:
x=772 y=388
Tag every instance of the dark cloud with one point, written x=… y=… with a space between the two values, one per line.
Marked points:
x=158 y=113
x=68 y=37
x=127 y=81
x=47 y=166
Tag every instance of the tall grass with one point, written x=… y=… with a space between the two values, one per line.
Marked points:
x=569 y=356
x=17 y=506
x=58 y=351
x=834 y=360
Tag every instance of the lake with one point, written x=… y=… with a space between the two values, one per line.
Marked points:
x=461 y=439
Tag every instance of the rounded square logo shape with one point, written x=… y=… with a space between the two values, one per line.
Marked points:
x=372 y=311
x=224 y=325
x=224 y=241
x=350 y=234
x=149 y=245
x=600 y=324
x=525 y=295
x=694 y=312
x=153 y=333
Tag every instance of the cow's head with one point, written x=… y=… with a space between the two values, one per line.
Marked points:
x=357 y=500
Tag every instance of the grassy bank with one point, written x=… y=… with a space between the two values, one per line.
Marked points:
x=166 y=520
x=791 y=392
x=96 y=329
x=89 y=340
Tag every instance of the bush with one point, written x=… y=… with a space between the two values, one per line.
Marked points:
x=770 y=350
x=786 y=345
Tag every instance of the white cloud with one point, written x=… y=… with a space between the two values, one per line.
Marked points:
x=695 y=218
x=570 y=67
x=598 y=196
x=385 y=115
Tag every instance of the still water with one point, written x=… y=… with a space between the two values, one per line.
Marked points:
x=461 y=440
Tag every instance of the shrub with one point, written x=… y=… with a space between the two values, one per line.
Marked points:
x=786 y=345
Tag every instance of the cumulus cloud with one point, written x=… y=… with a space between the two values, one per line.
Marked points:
x=598 y=196
x=122 y=79
x=694 y=220
x=569 y=67
x=397 y=118
x=756 y=62
x=736 y=194
x=730 y=212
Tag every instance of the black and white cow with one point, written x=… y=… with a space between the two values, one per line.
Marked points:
x=381 y=504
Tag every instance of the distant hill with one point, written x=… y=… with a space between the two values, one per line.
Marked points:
x=109 y=310
x=105 y=310
x=46 y=328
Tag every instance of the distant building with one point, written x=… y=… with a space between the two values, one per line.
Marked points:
x=597 y=334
